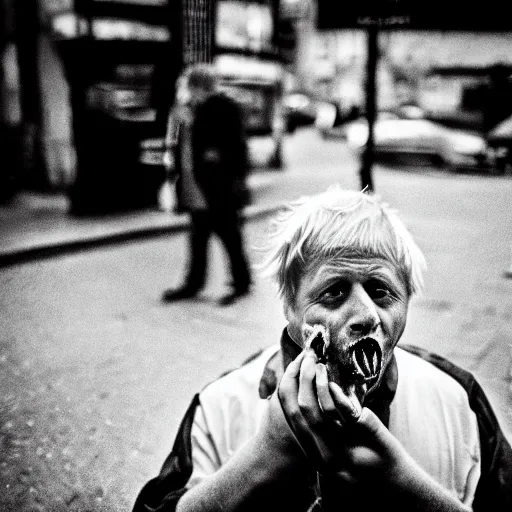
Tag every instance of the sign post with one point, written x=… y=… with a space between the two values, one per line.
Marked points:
x=378 y=15
x=367 y=159
x=371 y=16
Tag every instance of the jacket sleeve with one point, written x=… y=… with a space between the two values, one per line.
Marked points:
x=161 y=494
x=494 y=489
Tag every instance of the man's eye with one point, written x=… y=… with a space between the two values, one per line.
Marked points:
x=335 y=292
x=378 y=291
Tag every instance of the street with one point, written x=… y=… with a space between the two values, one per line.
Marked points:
x=96 y=372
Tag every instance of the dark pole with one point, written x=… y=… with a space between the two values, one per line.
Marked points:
x=367 y=158
x=5 y=32
x=26 y=15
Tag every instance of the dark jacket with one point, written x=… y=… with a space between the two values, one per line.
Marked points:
x=218 y=127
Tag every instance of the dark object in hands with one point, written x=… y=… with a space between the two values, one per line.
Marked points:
x=317 y=338
x=354 y=366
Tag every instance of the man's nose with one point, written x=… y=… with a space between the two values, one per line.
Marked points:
x=363 y=315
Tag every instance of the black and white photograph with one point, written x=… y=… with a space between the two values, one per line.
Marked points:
x=255 y=255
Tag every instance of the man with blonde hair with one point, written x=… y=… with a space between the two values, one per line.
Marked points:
x=338 y=416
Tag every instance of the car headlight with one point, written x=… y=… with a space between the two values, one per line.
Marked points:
x=357 y=134
x=469 y=145
x=325 y=116
x=296 y=101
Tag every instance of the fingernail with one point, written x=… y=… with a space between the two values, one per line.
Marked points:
x=321 y=373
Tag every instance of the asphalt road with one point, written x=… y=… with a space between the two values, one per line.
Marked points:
x=95 y=373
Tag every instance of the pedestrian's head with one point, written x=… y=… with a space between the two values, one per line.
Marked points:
x=344 y=260
x=201 y=80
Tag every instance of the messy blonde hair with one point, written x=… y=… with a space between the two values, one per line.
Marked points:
x=335 y=224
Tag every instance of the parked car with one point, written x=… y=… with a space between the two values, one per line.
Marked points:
x=407 y=133
x=299 y=110
x=331 y=118
x=499 y=140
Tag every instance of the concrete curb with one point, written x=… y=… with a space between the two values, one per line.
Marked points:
x=50 y=250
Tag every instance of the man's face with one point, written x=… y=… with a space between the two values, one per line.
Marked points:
x=359 y=302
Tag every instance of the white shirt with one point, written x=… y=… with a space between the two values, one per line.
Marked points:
x=430 y=415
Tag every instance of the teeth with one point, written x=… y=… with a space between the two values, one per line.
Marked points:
x=356 y=364
x=366 y=359
x=366 y=363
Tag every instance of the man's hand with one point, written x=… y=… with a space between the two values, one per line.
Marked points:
x=268 y=468
x=333 y=431
x=275 y=431
x=317 y=411
x=349 y=444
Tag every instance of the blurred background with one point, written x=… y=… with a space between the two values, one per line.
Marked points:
x=95 y=373
x=73 y=71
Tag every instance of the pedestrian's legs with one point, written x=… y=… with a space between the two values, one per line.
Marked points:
x=228 y=228
x=200 y=230
x=198 y=244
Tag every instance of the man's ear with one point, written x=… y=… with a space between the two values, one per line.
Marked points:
x=294 y=323
x=288 y=311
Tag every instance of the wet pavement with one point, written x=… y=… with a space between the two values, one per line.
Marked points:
x=95 y=372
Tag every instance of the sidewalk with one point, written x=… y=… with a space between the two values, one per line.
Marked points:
x=37 y=225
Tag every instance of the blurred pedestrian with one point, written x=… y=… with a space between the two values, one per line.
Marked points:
x=338 y=415
x=210 y=164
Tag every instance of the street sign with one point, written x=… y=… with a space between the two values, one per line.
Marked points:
x=456 y=15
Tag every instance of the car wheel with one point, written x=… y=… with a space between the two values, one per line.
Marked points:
x=438 y=161
x=502 y=167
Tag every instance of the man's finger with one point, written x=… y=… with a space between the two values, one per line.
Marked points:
x=344 y=406
x=293 y=368
x=307 y=399
x=289 y=388
x=324 y=395
x=374 y=426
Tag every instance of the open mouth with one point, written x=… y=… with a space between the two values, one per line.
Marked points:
x=366 y=358
x=359 y=363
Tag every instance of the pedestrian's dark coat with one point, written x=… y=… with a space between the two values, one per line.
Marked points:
x=218 y=125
